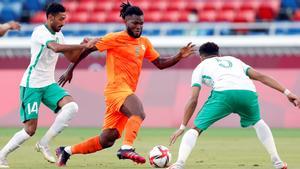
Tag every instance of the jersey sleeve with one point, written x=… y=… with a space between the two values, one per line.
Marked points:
x=106 y=42
x=197 y=77
x=150 y=53
x=42 y=37
x=245 y=67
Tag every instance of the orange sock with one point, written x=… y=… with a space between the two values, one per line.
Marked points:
x=89 y=146
x=132 y=127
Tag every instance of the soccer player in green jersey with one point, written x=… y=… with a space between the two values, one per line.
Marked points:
x=38 y=84
x=230 y=79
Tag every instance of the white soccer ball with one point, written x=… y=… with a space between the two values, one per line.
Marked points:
x=160 y=156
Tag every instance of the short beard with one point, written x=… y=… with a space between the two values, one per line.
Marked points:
x=130 y=33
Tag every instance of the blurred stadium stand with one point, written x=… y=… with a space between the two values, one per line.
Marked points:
x=211 y=12
x=244 y=28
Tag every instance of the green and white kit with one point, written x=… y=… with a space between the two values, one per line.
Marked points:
x=38 y=83
x=233 y=91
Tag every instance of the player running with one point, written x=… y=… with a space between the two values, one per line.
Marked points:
x=233 y=91
x=124 y=110
x=38 y=84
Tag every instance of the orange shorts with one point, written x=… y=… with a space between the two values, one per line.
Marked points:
x=113 y=117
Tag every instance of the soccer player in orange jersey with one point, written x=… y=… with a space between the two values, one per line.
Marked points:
x=124 y=110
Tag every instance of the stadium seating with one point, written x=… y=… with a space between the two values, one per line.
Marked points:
x=268 y=10
x=162 y=11
x=263 y=10
x=97 y=17
x=296 y=16
x=207 y=16
x=39 y=17
x=225 y=16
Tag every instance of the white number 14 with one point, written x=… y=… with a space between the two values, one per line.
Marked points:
x=32 y=108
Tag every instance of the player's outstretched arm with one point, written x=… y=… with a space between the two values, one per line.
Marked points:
x=269 y=81
x=165 y=62
x=68 y=74
x=188 y=112
x=69 y=50
x=12 y=25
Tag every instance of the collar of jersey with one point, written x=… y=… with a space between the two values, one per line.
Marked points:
x=51 y=31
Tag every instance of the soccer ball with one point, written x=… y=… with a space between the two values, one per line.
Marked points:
x=159 y=156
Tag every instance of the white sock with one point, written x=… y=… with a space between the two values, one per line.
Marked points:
x=187 y=144
x=126 y=147
x=265 y=136
x=61 y=121
x=68 y=150
x=14 y=143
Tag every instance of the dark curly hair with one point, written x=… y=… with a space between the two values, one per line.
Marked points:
x=128 y=9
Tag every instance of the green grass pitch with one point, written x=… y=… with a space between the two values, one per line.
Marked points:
x=217 y=148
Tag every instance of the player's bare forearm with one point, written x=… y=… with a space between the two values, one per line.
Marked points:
x=165 y=62
x=189 y=111
x=269 y=81
x=265 y=79
x=61 y=48
x=191 y=105
x=83 y=55
x=12 y=25
x=73 y=55
x=4 y=28
x=272 y=83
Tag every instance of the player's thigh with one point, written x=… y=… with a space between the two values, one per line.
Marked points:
x=30 y=102
x=53 y=95
x=132 y=106
x=248 y=108
x=214 y=109
x=65 y=100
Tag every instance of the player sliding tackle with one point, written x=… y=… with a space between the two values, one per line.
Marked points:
x=230 y=79
x=38 y=84
x=124 y=110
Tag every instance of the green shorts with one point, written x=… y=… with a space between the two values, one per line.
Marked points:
x=222 y=103
x=31 y=99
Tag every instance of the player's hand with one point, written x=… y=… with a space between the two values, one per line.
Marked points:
x=65 y=77
x=187 y=50
x=14 y=25
x=294 y=99
x=90 y=43
x=175 y=135
x=84 y=40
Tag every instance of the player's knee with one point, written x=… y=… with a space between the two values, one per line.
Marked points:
x=142 y=116
x=108 y=138
x=72 y=107
x=108 y=144
x=68 y=111
x=30 y=130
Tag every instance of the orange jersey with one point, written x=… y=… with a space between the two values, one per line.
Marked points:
x=124 y=59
